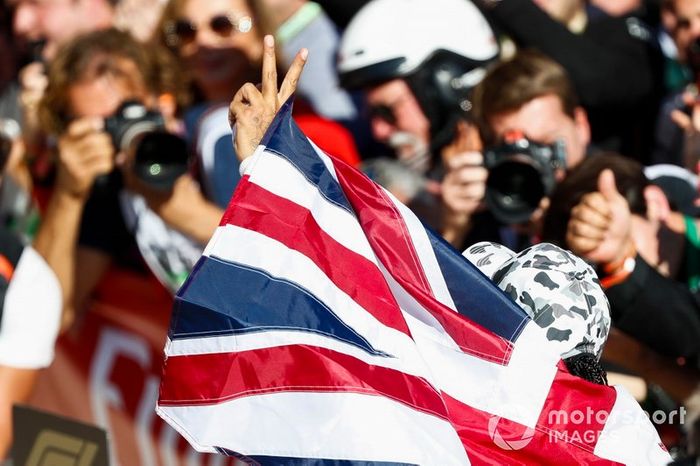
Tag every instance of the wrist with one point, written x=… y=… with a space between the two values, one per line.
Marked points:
x=619 y=269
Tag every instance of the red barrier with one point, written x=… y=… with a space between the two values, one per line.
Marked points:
x=107 y=371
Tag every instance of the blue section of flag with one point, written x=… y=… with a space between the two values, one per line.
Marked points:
x=298 y=151
x=223 y=298
x=288 y=461
x=474 y=295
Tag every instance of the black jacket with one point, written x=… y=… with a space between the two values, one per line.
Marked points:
x=615 y=65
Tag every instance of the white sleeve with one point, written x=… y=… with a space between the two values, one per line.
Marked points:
x=31 y=314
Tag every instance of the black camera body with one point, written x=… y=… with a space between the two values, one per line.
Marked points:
x=521 y=173
x=159 y=157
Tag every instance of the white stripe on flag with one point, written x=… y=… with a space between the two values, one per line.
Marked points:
x=343 y=426
x=262 y=252
x=516 y=391
x=276 y=338
x=278 y=176
x=426 y=254
x=420 y=239
x=325 y=159
x=627 y=436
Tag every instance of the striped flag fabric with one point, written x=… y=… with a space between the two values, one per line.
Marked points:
x=326 y=325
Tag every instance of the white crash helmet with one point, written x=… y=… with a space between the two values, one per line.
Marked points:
x=440 y=47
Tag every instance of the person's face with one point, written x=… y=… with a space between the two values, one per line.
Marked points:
x=55 y=21
x=543 y=120
x=687 y=25
x=225 y=45
x=397 y=119
x=100 y=96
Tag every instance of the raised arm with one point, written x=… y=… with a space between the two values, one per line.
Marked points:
x=253 y=109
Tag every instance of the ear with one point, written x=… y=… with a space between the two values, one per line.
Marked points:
x=658 y=208
x=583 y=127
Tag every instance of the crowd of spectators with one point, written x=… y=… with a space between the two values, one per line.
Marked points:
x=511 y=121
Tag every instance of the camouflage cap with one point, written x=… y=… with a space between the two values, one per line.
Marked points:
x=557 y=289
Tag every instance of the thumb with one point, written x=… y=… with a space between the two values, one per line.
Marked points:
x=607 y=186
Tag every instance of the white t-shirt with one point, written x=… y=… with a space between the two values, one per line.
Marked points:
x=31 y=314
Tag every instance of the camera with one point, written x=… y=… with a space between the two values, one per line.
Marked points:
x=159 y=157
x=521 y=173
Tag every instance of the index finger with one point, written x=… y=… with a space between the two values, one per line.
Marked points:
x=289 y=85
x=269 y=72
x=84 y=126
x=471 y=158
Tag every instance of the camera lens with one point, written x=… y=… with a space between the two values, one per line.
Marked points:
x=160 y=159
x=514 y=190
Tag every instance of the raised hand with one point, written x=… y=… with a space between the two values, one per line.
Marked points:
x=252 y=109
x=600 y=226
x=85 y=152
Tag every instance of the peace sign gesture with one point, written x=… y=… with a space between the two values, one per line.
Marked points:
x=252 y=109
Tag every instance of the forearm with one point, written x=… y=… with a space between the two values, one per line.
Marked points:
x=15 y=387
x=621 y=349
x=198 y=222
x=57 y=240
x=455 y=228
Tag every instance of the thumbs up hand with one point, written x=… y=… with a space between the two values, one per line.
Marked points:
x=599 y=227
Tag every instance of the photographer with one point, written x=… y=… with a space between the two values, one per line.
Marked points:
x=525 y=105
x=417 y=71
x=613 y=62
x=143 y=211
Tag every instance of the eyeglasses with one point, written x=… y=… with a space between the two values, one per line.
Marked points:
x=383 y=112
x=182 y=31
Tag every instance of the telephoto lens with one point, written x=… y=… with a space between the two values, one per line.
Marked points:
x=159 y=157
x=521 y=173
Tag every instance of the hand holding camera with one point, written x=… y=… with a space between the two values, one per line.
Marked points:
x=155 y=156
x=521 y=174
x=85 y=152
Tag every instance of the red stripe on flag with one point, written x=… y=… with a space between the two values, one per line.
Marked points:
x=215 y=378
x=389 y=237
x=557 y=438
x=295 y=227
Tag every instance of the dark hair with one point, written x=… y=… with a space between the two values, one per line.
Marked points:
x=511 y=84
x=587 y=366
x=583 y=179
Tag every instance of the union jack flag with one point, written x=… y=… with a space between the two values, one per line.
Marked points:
x=326 y=325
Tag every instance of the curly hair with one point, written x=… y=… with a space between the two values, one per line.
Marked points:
x=107 y=52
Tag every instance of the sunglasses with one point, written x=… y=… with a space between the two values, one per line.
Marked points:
x=182 y=31
x=383 y=112
x=387 y=112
